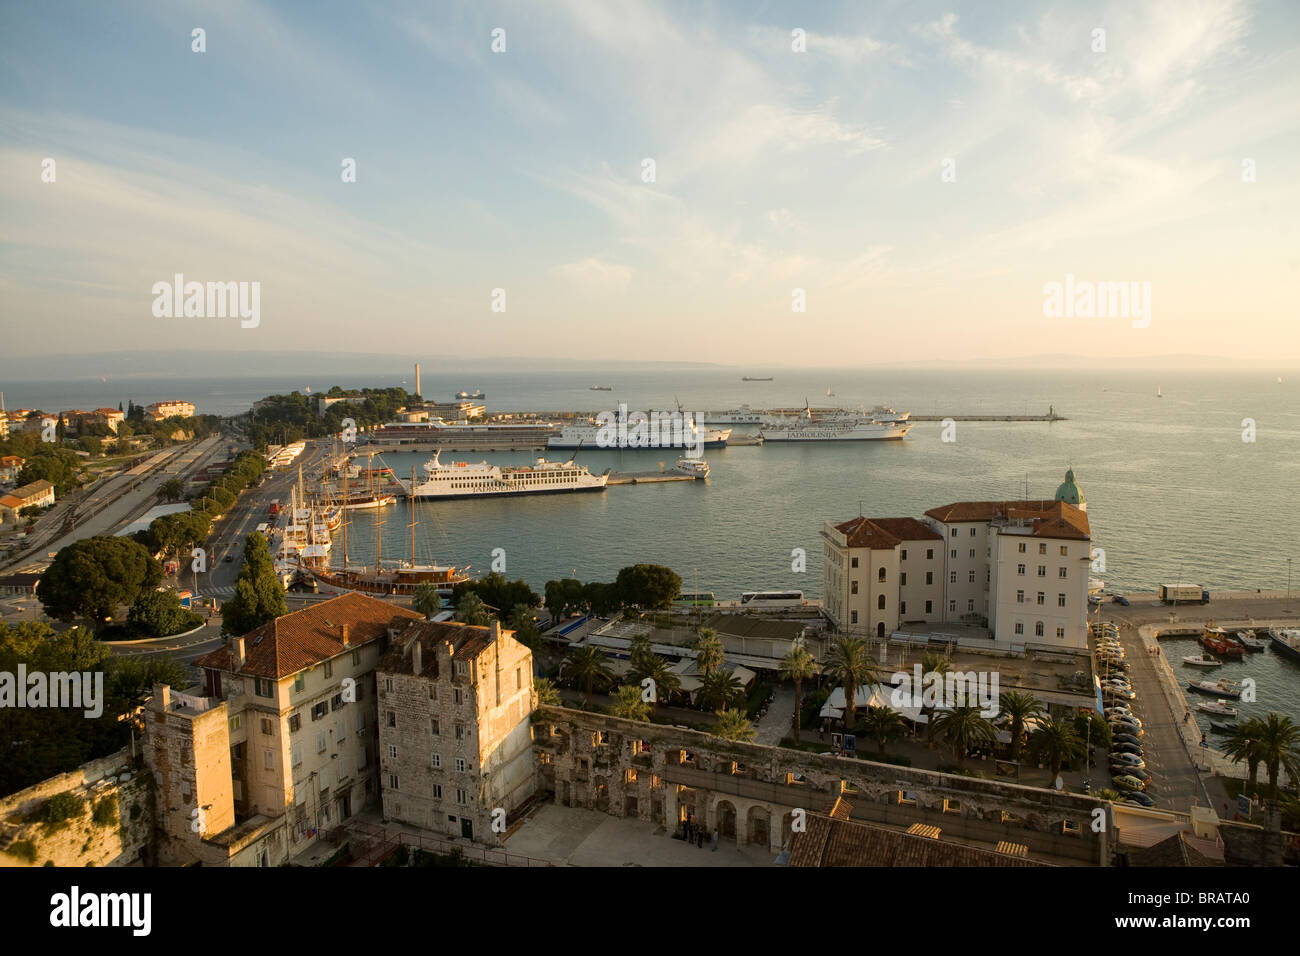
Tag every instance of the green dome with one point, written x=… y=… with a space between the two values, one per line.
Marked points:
x=1069 y=492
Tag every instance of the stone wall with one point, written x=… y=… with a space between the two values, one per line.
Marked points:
x=111 y=826
x=751 y=792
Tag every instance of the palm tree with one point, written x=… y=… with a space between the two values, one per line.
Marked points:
x=1279 y=747
x=734 y=725
x=709 y=652
x=719 y=689
x=883 y=725
x=639 y=648
x=545 y=693
x=1093 y=729
x=1018 y=709
x=585 y=667
x=850 y=666
x=1114 y=796
x=427 y=600
x=1243 y=744
x=932 y=662
x=1056 y=742
x=472 y=610
x=629 y=705
x=962 y=728
x=657 y=669
x=798 y=665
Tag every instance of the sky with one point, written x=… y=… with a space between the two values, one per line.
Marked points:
x=654 y=181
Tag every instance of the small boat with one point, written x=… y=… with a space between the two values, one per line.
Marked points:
x=1223 y=726
x=1203 y=660
x=1286 y=641
x=829 y=393
x=1217 y=688
x=749 y=378
x=1216 y=639
x=696 y=467
x=1249 y=641
x=1220 y=707
x=601 y=388
x=1159 y=392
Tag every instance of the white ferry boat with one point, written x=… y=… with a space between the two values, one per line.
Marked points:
x=460 y=479
x=744 y=415
x=884 y=413
x=833 y=429
x=641 y=430
x=696 y=467
x=478 y=435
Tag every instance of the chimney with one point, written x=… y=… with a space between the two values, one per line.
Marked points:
x=162 y=697
x=445 y=650
x=416 y=657
x=494 y=630
x=345 y=635
x=240 y=654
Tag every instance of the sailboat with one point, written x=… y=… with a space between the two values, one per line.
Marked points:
x=829 y=393
x=1159 y=393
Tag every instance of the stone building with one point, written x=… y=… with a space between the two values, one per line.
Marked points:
x=881 y=572
x=455 y=739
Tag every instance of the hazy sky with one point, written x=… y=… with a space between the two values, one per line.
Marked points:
x=774 y=170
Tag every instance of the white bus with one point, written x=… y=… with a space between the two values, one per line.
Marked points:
x=769 y=599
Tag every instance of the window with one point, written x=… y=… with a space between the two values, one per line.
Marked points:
x=1060 y=600
x=954 y=532
x=263 y=688
x=903 y=557
x=970 y=604
x=1065 y=551
x=880 y=575
x=902 y=607
x=329 y=669
x=319 y=710
x=392 y=751
x=519 y=678
x=1042 y=548
x=320 y=742
x=929 y=554
x=972 y=552
x=954 y=554
x=1062 y=572
x=433 y=692
x=853 y=617
x=971 y=577
x=929 y=577
x=1042 y=571
x=361 y=691
x=336 y=702
x=1060 y=632
x=456 y=695
x=295 y=723
x=462 y=668
x=952 y=577
x=1038 y=628
x=236 y=721
x=853 y=587
x=299 y=682
x=629 y=776
x=952 y=606
x=460 y=764
x=1040 y=598
x=437 y=761
x=1020 y=627
x=461 y=796
x=296 y=750
x=853 y=562
x=392 y=718
x=929 y=607
x=460 y=731
x=1021 y=547
x=434 y=724
x=972 y=532
x=356 y=658
x=902 y=579
x=268 y=728
x=388 y=684
x=1020 y=569
x=880 y=602
x=1020 y=597
x=437 y=791
x=392 y=782
x=268 y=759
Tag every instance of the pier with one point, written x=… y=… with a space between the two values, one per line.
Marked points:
x=989 y=418
x=647 y=477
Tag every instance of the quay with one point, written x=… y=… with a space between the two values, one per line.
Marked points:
x=989 y=418
x=647 y=477
x=581 y=416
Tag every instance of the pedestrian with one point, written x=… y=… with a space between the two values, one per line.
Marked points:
x=821 y=731
x=715 y=839
x=699 y=839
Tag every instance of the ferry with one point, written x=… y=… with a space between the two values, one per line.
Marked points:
x=601 y=388
x=696 y=467
x=488 y=435
x=834 y=429
x=744 y=415
x=476 y=394
x=1286 y=641
x=460 y=479
x=639 y=430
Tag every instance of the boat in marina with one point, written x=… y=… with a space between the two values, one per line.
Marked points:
x=460 y=479
x=1223 y=726
x=839 y=426
x=1286 y=641
x=641 y=430
x=1217 y=640
x=1203 y=660
x=1220 y=707
x=1217 y=688
x=696 y=467
x=1249 y=641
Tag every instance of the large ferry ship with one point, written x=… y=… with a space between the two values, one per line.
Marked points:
x=744 y=415
x=460 y=479
x=841 y=427
x=462 y=435
x=641 y=430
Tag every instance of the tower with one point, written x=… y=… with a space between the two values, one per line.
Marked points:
x=417 y=380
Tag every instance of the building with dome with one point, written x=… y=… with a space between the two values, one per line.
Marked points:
x=1068 y=492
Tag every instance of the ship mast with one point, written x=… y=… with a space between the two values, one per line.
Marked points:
x=411 y=505
x=345 y=522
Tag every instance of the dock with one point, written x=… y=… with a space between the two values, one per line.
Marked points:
x=647 y=477
x=989 y=418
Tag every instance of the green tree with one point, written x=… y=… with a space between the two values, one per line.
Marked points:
x=58 y=466
x=545 y=693
x=657 y=669
x=709 y=652
x=1277 y=746
x=259 y=596
x=586 y=667
x=798 y=665
x=601 y=599
x=1055 y=742
x=523 y=621
x=719 y=688
x=173 y=489
x=650 y=587
x=1017 y=709
x=159 y=614
x=963 y=728
x=629 y=705
x=563 y=597
x=471 y=610
x=427 y=600
x=498 y=593
x=734 y=725
x=883 y=726
x=849 y=665
x=94 y=576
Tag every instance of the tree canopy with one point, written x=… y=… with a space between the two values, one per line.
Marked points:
x=93 y=577
x=648 y=586
x=259 y=596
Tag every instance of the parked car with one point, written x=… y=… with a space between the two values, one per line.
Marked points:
x=1140 y=798
x=1124 y=739
x=1128 y=760
x=1124 y=727
x=1122 y=748
x=1128 y=782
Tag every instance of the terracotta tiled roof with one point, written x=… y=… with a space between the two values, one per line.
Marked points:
x=907 y=529
x=1052 y=519
x=831 y=841
x=865 y=533
x=468 y=641
x=1172 y=851
x=308 y=637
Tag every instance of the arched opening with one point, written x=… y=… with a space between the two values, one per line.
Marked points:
x=880 y=575
x=880 y=603
x=726 y=819
x=759 y=827
x=880 y=629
